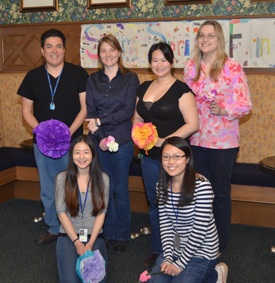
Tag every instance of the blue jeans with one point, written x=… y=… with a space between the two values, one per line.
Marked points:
x=198 y=270
x=67 y=257
x=117 y=225
x=150 y=174
x=217 y=166
x=48 y=168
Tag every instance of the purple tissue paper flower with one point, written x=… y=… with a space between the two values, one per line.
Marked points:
x=91 y=267
x=210 y=96
x=53 y=138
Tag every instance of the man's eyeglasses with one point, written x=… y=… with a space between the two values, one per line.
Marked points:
x=174 y=157
x=208 y=36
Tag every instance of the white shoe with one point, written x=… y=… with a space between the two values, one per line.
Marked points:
x=222 y=270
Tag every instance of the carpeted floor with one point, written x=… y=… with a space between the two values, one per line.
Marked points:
x=247 y=255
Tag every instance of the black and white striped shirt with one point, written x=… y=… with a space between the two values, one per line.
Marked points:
x=195 y=226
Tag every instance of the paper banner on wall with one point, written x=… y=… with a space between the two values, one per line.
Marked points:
x=249 y=41
x=252 y=42
x=137 y=38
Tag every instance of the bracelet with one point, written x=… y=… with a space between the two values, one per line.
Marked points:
x=75 y=240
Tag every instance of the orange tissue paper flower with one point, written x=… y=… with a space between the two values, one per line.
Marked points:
x=144 y=135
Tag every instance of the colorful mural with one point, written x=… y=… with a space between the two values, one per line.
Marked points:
x=76 y=10
x=248 y=41
x=136 y=38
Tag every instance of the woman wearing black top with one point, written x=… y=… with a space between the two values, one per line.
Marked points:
x=170 y=105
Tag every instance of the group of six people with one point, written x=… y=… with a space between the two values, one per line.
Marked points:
x=188 y=187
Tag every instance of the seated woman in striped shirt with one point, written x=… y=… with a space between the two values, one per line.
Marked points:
x=188 y=233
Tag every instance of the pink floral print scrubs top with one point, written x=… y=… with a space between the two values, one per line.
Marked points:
x=231 y=92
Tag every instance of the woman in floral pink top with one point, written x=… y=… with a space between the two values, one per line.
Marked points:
x=222 y=97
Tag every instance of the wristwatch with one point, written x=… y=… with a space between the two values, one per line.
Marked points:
x=97 y=123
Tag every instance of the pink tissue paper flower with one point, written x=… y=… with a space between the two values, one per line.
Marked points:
x=145 y=276
x=111 y=143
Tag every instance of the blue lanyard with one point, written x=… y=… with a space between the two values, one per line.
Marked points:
x=53 y=92
x=176 y=212
x=82 y=208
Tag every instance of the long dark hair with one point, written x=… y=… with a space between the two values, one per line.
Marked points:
x=188 y=184
x=97 y=185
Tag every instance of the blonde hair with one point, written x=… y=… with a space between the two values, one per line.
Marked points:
x=112 y=41
x=221 y=55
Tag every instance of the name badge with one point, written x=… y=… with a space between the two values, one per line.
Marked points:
x=83 y=235
x=177 y=241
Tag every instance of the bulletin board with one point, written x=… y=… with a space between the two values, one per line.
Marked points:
x=251 y=42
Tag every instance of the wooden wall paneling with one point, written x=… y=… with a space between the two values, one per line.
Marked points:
x=138 y=202
x=235 y=212
x=250 y=213
x=253 y=194
x=27 y=190
x=257 y=214
x=138 y=199
x=27 y=173
x=21 y=48
x=7 y=176
x=6 y=192
x=73 y=46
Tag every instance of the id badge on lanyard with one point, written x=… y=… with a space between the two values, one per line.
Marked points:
x=177 y=236
x=83 y=233
x=177 y=241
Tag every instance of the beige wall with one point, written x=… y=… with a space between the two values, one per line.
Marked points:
x=257 y=129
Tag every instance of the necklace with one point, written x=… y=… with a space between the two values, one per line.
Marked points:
x=165 y=82
x=52 y=105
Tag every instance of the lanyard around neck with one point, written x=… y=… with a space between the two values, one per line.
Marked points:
x=52 y=106
x=176 y=212
x=83 y=207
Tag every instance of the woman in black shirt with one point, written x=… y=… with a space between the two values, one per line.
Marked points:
x=170 y=105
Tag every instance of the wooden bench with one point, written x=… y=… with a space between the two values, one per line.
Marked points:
x=253 y=190
x=18 y=174
x=252 y=194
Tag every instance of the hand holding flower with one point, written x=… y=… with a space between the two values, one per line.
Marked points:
x=102 y=145
x=210 y=96
x=80 y=248
x=111 y=144
x=216 y=109
x=88 y=246
x=53 y=138
x=159 y=142
x=90 y=267
x=170 y=269
x=144 y=135
x=165 y=266
x=145 y=276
